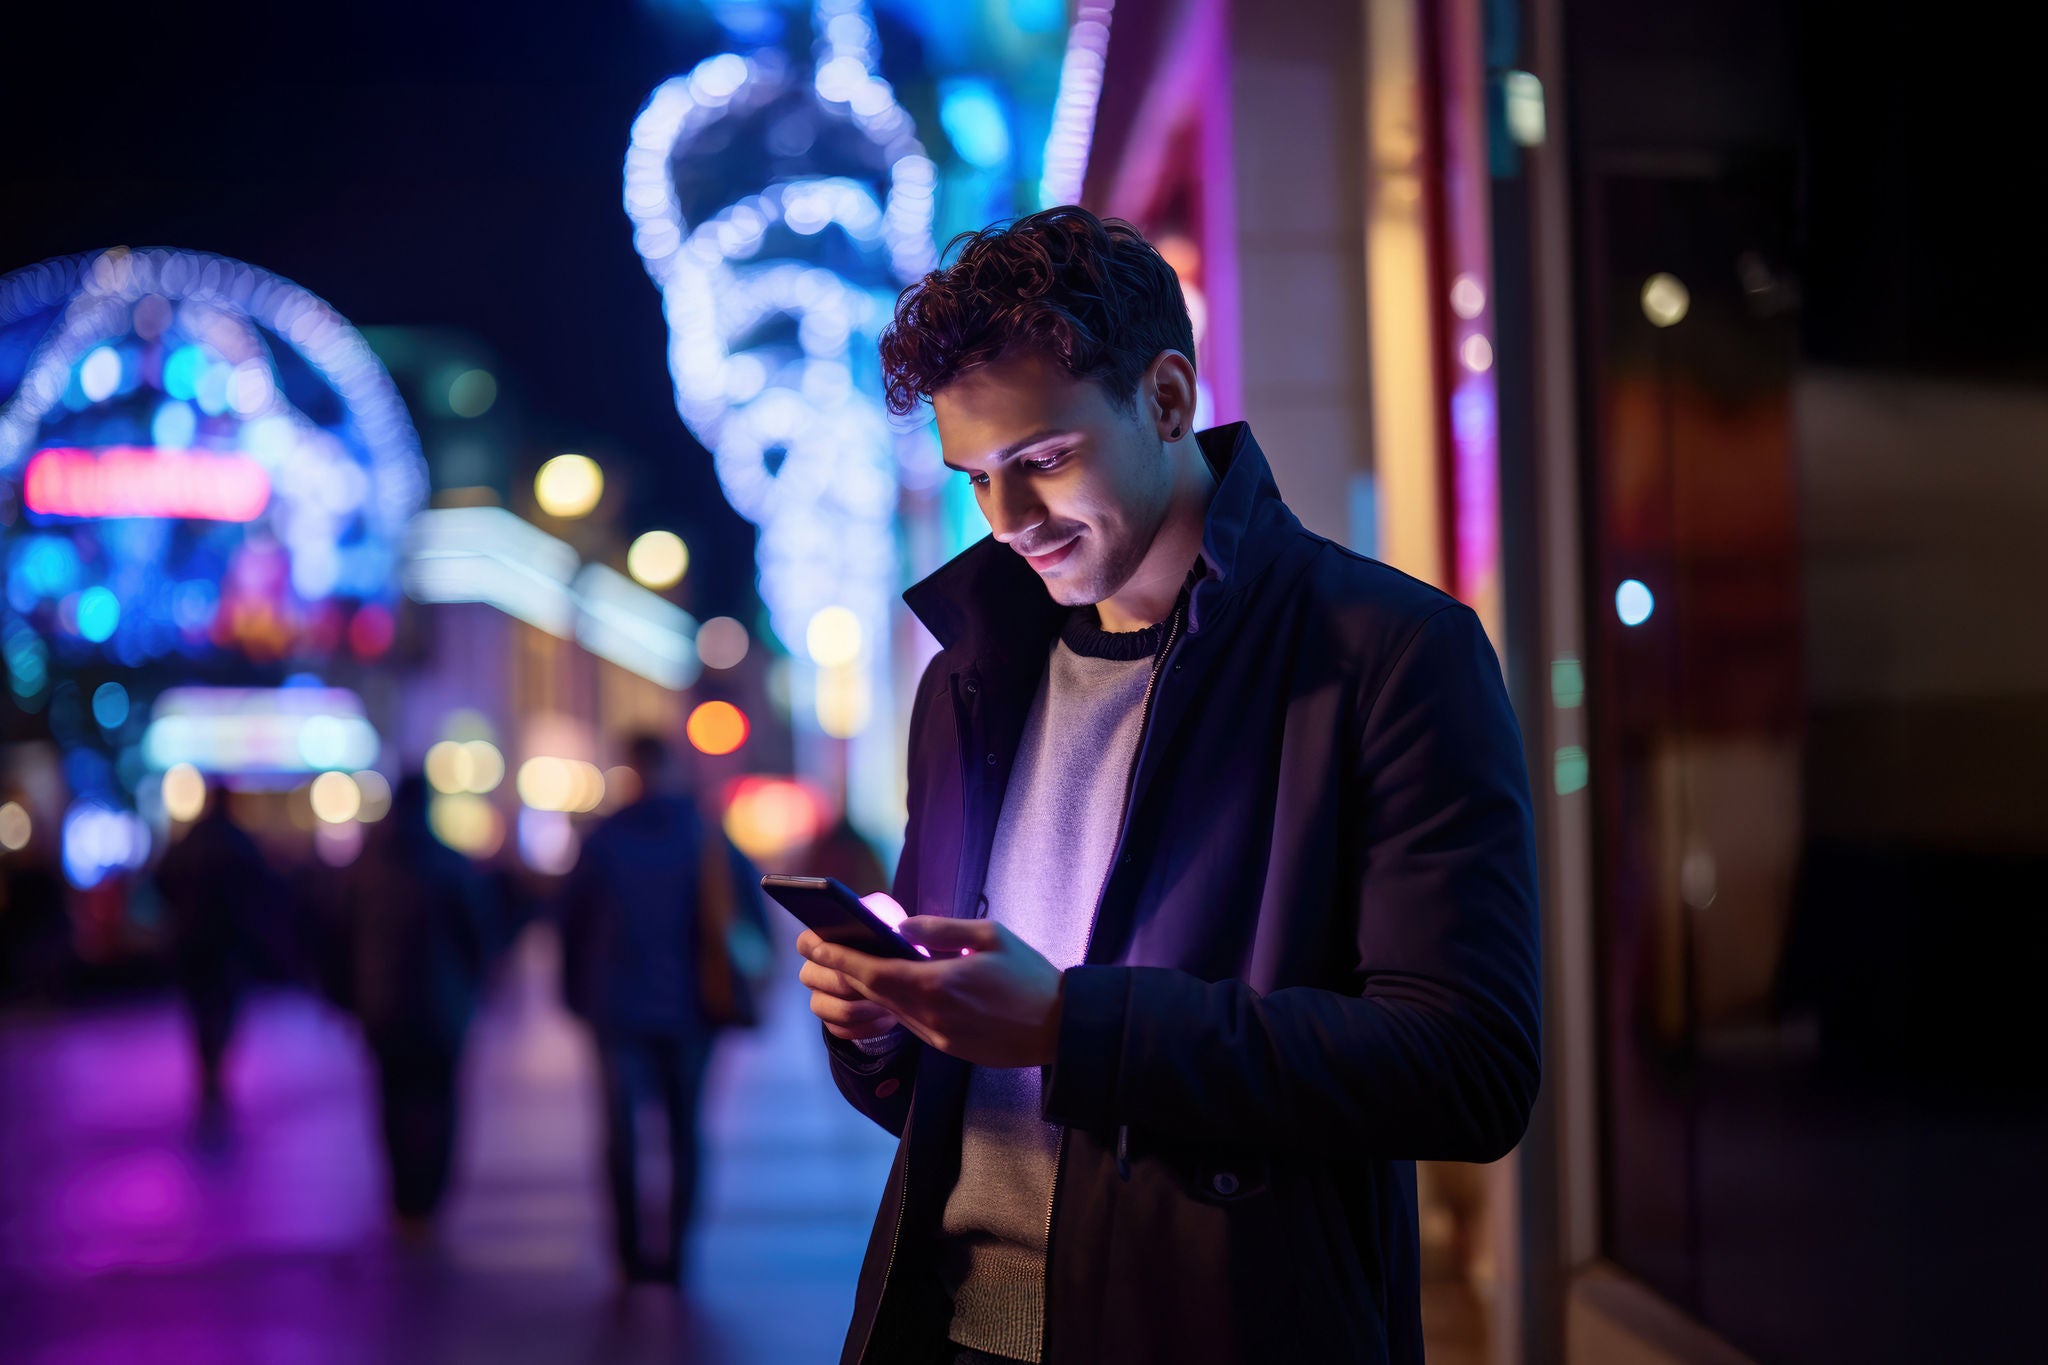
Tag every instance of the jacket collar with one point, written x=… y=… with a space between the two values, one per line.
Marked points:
x=987 y=597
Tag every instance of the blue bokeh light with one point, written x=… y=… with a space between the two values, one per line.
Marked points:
x=973 y=119
x=182 y=371
x=99 y=612
x=174 y=425
x=1633 y=602
x=110 y=705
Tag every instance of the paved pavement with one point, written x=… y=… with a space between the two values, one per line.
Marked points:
x=132 y=1234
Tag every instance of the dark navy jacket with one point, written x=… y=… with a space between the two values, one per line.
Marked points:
x=1314 y=961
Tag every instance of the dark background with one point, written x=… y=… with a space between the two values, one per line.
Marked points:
x=427 y=164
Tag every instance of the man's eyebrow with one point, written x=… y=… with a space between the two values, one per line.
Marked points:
x=1015 y=448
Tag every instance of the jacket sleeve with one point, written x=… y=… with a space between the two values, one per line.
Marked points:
x=865 y=1078
x=1436 y=1056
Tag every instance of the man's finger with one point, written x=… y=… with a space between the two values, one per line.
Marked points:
x=940 y=933
x=847 y=1013
x=851 y=963
x=825 y=979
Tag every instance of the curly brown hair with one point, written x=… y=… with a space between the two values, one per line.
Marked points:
x=1088 y=292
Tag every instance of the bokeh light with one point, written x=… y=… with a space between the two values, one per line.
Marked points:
x=110 y=705
x=843 y=701
x=486 y=766
x=184 y=792
x=466 y=823
x=1633 y=602
x=717 y=727
x=1666 y=300
x=547 y=842
x=721 y=642
x=15 y=827
x=1468 y=297
x=472 y=393
x=375 y=793
x=568 y=486
x=449 y=767
x=833 y=638
x=560 y=784
x=338 y=845
x=768 y=816
x=99 y=612
x=658 y=560
x=99 y=374
x=336 y=798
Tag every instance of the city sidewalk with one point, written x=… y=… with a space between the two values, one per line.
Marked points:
x=130 y=1234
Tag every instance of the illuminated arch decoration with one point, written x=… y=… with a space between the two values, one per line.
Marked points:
x=210 y=461
x=775 y=298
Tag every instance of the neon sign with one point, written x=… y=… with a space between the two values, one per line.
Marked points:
x=143 y=481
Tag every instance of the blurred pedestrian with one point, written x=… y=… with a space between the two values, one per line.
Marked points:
x=841 y=853
x=213 y=881
x=416 y=914
x=663 y=942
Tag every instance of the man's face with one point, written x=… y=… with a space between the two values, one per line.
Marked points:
x=1066 y=478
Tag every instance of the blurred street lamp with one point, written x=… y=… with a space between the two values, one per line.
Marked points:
x=658 y=560
x=568 y=486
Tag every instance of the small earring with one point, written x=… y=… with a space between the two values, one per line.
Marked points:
x=1175 y=436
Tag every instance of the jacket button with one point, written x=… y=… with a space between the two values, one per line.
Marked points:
x=991 y=760
x=1225 y=1183
x=971 y=687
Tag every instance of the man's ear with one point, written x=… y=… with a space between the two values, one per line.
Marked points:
x=1167 y=395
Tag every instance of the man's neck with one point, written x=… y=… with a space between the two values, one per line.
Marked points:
x=1149 y=596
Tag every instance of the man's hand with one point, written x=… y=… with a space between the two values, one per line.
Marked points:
x=847 y=1013
x=986 y=996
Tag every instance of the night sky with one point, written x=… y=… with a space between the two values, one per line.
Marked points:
x=431 y=164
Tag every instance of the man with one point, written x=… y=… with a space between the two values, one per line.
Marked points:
x=214 y=882
x=633 y=968
x=417 y=921
x=1220 y=836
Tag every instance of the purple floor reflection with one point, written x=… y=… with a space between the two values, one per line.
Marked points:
x=131 y=1231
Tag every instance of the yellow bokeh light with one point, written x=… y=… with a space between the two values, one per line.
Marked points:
x=450 y=768
x=1666 y=300
x=833 y=637
x=486 y=766
x=658 y=559
x=466 y=823
x=184 y=792
x=568 y=486
x=843 y=703
x=375 y=793
x=560 y=784
x=336 y=798
x=544 y=783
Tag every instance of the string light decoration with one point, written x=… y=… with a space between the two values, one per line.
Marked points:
x=779 y=211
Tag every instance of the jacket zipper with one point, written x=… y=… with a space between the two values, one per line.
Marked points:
x=1059 y=1159
x=895 y=1235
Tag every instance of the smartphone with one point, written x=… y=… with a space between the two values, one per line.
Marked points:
x=835 y=914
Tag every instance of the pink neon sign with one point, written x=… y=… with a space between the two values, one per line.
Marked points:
x=143 y=481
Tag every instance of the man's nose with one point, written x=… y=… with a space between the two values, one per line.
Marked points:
x=1012 y=508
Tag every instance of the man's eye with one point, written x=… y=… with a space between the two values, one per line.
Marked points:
x=978 y=480
x=1046 y=462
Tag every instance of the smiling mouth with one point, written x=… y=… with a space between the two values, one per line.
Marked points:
x=1052 y=558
